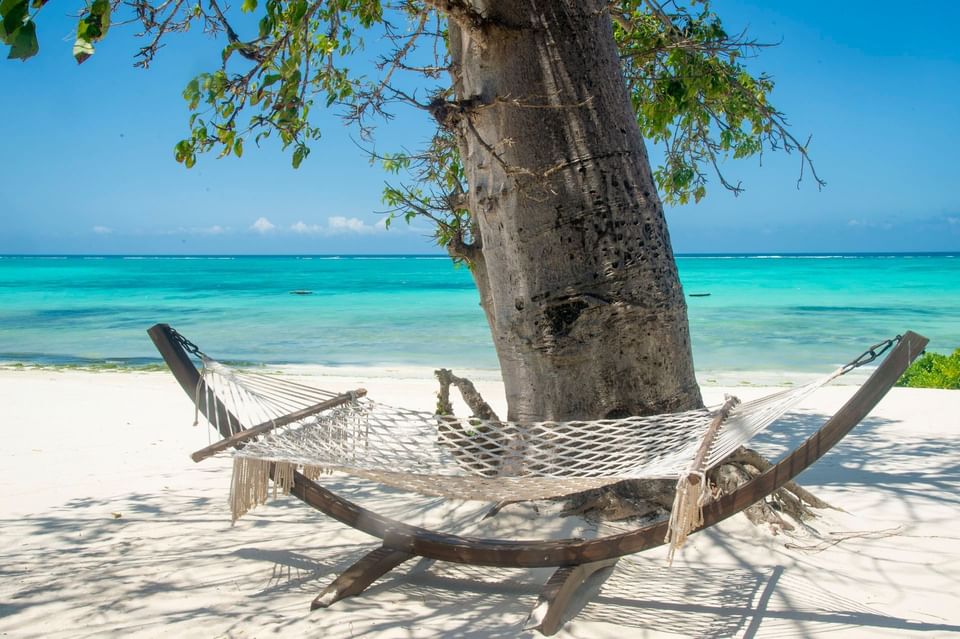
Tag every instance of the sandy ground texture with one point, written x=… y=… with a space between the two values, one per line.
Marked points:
x=107 y=529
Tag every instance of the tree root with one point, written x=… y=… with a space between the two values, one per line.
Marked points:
x=474 y=400
x=742 y=466
x=626 y=500
x=645 y=498
x=752 y=458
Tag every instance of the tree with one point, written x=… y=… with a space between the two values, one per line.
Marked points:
x=537 y=176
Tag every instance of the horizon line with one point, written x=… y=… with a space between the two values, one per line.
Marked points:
x=444 y=255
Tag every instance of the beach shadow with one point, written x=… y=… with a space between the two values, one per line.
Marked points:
x=171 y=562
x=711 y=603
x=265 y=574
x=866 y=459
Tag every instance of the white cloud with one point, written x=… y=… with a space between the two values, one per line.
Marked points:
x=102 y=230
x=349 y=224
x=341 y=224
x=302 y=228
x=262 y=225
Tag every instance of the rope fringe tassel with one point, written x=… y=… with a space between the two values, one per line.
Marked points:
x=250 y=484
x=687 y=512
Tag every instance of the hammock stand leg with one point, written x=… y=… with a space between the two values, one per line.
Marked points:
x=568 y=587
x=360 y=575
x=401 y=539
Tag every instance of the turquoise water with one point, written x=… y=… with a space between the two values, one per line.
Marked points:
x=796 y=313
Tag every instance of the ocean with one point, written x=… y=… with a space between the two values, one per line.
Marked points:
x=748 y=313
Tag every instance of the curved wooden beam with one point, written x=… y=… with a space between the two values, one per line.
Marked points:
x=360 y=575
x=569 y=552
x=565 y=586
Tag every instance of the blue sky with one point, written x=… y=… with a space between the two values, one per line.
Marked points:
x=87 y=163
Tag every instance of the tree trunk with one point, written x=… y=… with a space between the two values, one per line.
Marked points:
x=575 y=269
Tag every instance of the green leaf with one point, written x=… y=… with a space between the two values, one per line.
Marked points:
x=25 y=43
x=266 y=26
x=299 y=154
x=298 y=11
x=248 y=6
x=6 y=6
x=14 y=18
x=100 y=13
x=192 y=94
x=238 y=148
x=91 y=28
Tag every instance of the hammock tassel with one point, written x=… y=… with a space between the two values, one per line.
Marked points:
x=692 y=490
x=250 y=485
x=313 y=473
x=687 y=512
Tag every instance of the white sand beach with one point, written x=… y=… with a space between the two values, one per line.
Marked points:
x=108 y=529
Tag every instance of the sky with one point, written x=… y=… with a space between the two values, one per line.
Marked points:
x=86 y=153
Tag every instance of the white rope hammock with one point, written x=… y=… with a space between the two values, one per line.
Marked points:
x=464 y=458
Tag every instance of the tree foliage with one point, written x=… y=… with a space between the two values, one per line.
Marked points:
x=688 y=83
x=933 y=370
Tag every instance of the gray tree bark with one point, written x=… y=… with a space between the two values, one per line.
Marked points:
x=571 y=252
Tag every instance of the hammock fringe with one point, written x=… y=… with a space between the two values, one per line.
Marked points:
x=687 y=512
x=250 y=483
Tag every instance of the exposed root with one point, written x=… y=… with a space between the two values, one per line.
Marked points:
x=481 y=409
x=729 y=477
x=793 y=500
x=474 y=400
x=641 y=499
x=751 y=457
x=837 y=538
x=626 y=500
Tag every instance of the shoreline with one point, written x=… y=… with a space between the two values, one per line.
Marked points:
x=707 y=378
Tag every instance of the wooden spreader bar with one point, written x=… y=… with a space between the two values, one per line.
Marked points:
x=710 y=435
x=265 y=427
x=402 y=541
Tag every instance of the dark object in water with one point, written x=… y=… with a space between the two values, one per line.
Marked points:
x=301 y=291
x=699 y=294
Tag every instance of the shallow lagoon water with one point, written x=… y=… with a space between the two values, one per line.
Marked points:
x=763 y=313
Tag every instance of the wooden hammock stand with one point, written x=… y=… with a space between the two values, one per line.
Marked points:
x=576 y=560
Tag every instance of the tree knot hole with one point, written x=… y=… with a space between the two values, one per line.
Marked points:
x=562 y=316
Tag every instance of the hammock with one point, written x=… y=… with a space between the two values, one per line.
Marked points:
x=317 y=431
x=356 y=437
x=469 y=458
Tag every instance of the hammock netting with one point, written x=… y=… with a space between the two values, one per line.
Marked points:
x=463 y=458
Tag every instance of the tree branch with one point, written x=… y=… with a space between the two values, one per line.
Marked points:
x=462 y=12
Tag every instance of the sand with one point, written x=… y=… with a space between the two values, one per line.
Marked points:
x=108 y=529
